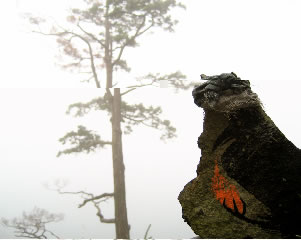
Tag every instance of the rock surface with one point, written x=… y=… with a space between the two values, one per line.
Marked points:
x=248 y=182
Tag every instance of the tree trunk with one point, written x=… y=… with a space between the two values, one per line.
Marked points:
x=121 y=221
x=108 y=49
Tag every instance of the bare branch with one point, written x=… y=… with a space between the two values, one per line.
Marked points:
x=59 y=190
x=91 y=35
x=53 y=234
x=146 y=233
x=65 y=32
x=88 y=197
x=33 y=225
x=104 y=195
x=143 y=85
x=101 y=217
x=132 y=89
x=87 y=80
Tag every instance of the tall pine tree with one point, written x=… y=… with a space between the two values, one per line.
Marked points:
x=94 y=38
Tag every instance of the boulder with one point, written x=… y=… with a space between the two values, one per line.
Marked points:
x=248 y=182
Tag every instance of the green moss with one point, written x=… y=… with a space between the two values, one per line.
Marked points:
x=254 y=156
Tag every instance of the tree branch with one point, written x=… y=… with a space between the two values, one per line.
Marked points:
x=176 y=80
x=146 y=233
x=82 y=140
x=91 y=198
x=33 y=225
x=130 y=39
x=138 y=120
x=104 y=195
x=91 y=35
x=53 y=234
x=143 y=85
x=87 y=80
x=128 y=91
x=101 y=217
x=61 y=34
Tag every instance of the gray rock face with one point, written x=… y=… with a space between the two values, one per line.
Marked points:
x=248 y=182
x=216 y=86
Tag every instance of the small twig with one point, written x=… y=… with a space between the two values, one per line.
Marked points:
x=147 y=230
x=132 y=89
x=104 y=195
x=90 y=198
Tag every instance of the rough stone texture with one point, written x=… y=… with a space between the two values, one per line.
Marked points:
x=248 y=182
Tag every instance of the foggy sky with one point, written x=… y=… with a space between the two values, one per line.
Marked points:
x=258 y=40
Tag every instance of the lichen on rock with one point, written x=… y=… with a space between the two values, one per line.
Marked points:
x=248 y=182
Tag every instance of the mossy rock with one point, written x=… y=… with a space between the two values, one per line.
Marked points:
x=249 y=174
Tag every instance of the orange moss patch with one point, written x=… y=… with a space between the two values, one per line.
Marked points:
x=225 y=192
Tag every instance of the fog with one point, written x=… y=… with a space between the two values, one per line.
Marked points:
x=259 y=41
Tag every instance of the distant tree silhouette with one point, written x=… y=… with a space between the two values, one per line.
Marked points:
x=92 y=39
x=33 y=224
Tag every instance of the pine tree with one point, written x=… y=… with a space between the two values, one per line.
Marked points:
x=95 y=37
x=33 y=224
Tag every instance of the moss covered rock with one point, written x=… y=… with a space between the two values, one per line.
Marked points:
x=248 y=182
